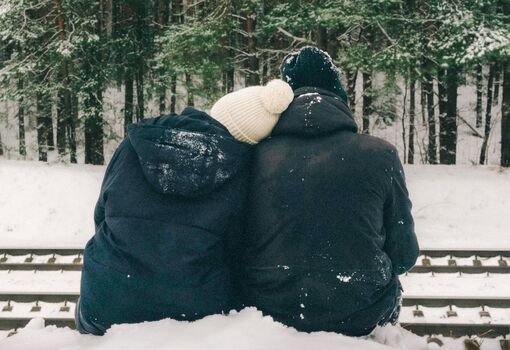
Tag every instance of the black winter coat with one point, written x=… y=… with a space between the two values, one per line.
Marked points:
x=170 y=197
x=329 y=223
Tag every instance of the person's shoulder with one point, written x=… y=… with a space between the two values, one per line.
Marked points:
x=376 y=144
x=124 y=151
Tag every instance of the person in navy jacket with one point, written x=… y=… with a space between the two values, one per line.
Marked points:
x=328 y=224
x=172 y=196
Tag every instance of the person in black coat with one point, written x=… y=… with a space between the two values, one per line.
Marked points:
x=170 y=200
x=328 y=225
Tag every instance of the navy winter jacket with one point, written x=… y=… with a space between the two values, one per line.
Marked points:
x=171 y=195
x=329 y=223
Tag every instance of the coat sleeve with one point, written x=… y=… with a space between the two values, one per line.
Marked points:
x=401 y=243
x=99 y=210
x=99 y=214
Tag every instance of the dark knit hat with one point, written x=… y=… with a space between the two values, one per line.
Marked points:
x=312 y=67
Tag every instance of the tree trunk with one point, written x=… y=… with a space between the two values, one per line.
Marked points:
x=265 y=70
x=1 y=146
x=443 y=104
x=488 y=116
x=177 y=11
x=64 y=109
x=162 y=101
x=162 y=17
x=412 y=113
x=351 y=89
x=177 y=17
x=497 y=82
x=431 y=118
x=71 y=125
x=228 y=81
x=479 y=94
x=140 y=101
x=108 y=15
x=367 y=101
x=93 y=97
x=21 y=122
x=128 y=102
x=448 y=133
x=505 y=116
x=252 y=77
x=505 y=106
x=173 y=90
x=49 y=126
x=43 y=132
x=404 y=112
x=423 y=105
x=61 y=124
x=94 y=129
x=64 y=97
x=189 y=90
x=322 y=38
x=332 y=44
x=163 y=14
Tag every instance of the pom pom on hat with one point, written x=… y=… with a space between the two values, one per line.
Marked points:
x=276 y=95
x=250 y=114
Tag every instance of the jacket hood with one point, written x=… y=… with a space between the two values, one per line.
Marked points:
x=315 y=112
x=188 y=155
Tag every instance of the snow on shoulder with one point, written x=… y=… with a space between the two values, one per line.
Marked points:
x=247 y=330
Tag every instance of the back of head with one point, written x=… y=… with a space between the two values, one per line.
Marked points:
x=250 y=114
x=312 y=67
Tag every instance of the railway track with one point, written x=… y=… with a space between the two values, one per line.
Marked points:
x=424 y=315
x=433 y=261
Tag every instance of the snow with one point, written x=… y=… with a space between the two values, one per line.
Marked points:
x=245 y=330
x=455 y=285
x=487 y=41
x=41 y=281
x=343 y=278
x=461 y=207
x=308 y=94
x=47 y=205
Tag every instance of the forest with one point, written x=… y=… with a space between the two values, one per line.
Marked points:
x=59 y=58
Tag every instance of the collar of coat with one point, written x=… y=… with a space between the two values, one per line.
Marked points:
x=315 y=112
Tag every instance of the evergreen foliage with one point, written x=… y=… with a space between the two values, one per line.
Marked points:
x=58 y=57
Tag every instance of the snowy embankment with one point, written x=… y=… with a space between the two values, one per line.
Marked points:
x=460 y=207
x=246 y=330
x=45 y=205
x=51 y=206
x=454 y=206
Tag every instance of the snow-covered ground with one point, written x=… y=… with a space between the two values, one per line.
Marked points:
x=460 y=206
x=45 y=205
x=246 y=330
x=454 y=206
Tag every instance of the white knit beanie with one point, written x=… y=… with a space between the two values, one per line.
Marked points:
x=250 y=114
